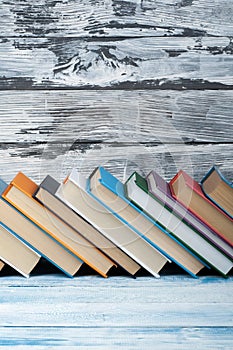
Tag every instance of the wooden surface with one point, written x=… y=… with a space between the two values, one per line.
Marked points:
x=131 y=85
x=92 y=312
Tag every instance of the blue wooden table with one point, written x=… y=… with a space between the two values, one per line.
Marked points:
x=90 y=312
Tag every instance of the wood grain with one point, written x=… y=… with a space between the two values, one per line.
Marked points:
x=118 y=312
x=130 y=338
x=121 y=160
x=87 y=18
x=139 y=63
x=100 y=309
x=135 y=117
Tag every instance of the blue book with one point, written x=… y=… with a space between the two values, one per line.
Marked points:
x=219 y=190
x=111 y=193
x=36 y=238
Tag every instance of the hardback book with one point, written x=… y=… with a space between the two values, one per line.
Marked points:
x=188 y=192
x=46 y=195
x=110 y=191
x=219 y=190
x=160 y=190
x=73 y=193
x=36 y=238
x=16 y=253
x=138 y=192
x=19 y=193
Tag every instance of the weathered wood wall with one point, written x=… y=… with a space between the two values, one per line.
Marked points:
x=131 y=85
x=168 y=69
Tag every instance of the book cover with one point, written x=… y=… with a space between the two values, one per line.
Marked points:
x=55 y=227
x=16 y=253
x=219 y=190
x=73 y=193
x=160 y=189
x=188 y=192
x=46 y=194
x=37 y=239
x=136 y=188
x=114 y=185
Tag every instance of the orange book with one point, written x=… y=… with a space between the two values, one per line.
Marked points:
x=20 y=194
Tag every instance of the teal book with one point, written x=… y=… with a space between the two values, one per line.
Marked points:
x=219 y=190
x=111 y=193
x=36 y=238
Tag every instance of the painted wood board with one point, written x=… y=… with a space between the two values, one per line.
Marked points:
x=98 y=338
x=135 y=63
x=90 y=311
x=87 y=18
x=120 y=159
x=94 y=117
x=168 y=289
x=65 y=309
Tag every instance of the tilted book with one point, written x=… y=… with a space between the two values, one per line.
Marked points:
x=37 y=239
x=19 y=193
x=46 y=194
x=188 y=192
x=219 y=190
x=73 y=193
x=1 y=265
x=110 y=191
x=137 y=191
x=16 y=253
x=160 y=189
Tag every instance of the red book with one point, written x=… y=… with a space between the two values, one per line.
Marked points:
x=189 y=193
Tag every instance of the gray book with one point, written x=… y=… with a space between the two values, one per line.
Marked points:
x=46 y=194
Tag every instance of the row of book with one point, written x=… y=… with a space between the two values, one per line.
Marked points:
x=144 y=223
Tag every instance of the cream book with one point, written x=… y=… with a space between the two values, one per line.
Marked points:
x=36 y=238
x=20 y=194
x=46 y=195
x=73 y=193
x=110 y=191
x=16 y=253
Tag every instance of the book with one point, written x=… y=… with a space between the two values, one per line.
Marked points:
x=73 y=193
x=138 y=192
x=188 y=192
x=19 y=194
x=109 y=190
x=219 y=190
x=16 y=253
x=160 y=189
x=1 y=265
x=36 y=238
x=46 y=194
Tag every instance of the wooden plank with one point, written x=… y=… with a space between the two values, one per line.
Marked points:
x=115 y=18
x=115 y=116
x=92 y=301
x=168 y=289
x=110 y=314
x=98 y=338
x=139 y=63
x=120 y=159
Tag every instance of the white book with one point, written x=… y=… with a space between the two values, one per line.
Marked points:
x=173 y=223
x=73 y=193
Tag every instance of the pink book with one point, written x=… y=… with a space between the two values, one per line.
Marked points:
x=188 y=192
x=160 y=189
